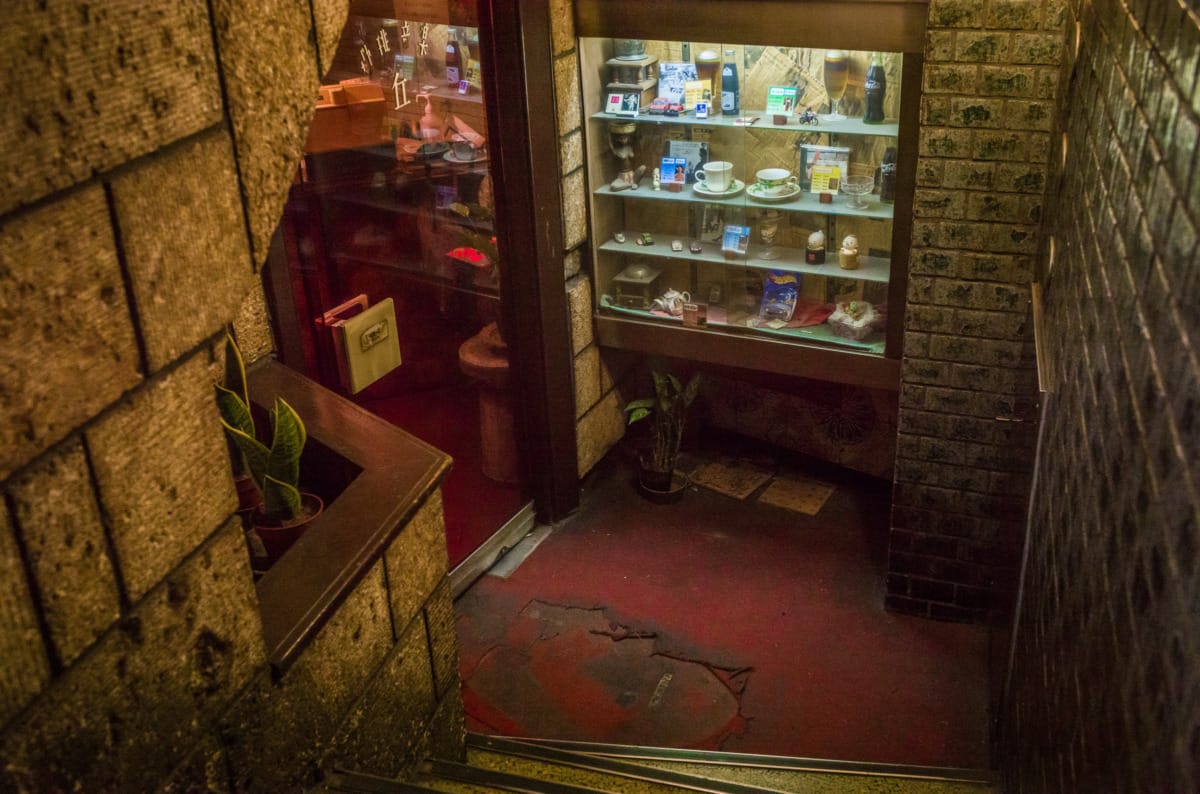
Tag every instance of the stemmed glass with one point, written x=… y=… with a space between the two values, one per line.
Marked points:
x=837 y=70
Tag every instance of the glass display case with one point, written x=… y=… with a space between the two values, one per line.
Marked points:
x=749 y=201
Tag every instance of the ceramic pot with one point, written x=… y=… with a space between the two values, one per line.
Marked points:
x=629 y=49
x=662 y=487
x=278 y=538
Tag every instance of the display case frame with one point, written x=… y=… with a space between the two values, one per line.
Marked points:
x=887 y=26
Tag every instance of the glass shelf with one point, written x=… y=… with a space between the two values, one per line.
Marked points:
x=805 y=202
x=848 y=126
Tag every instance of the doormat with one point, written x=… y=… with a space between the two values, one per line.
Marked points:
x=797 y=494
x=731 y=477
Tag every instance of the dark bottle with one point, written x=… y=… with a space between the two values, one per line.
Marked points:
x=729 y=85
x=453 y=60
x=887 y=176
x=876 y=90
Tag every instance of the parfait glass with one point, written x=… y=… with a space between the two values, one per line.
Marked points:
x=837 y=71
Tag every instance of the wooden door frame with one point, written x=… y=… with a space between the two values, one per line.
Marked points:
x=516 y=55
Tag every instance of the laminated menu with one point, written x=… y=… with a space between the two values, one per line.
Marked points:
x=822 y=167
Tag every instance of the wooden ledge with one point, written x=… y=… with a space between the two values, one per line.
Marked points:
x=390 y=473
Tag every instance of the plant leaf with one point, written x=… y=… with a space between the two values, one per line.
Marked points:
x=692 y=389
x=287 y=443
x=644 y=402
x=235 y=372
x=281 y=500
x=234 y=410
x=636 y=414
x=254 y=451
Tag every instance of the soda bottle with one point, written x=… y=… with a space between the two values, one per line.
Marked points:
x=876 y=90
x=887 y=176
x=453 y=60
x=729 y=85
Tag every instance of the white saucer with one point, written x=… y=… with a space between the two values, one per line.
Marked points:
x=451 y=157
x=755 y=193
x=737 y=187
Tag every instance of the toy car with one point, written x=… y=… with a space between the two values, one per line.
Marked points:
x=659 y=106
x=674 y=109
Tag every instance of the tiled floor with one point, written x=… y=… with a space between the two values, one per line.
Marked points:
x=720 y=623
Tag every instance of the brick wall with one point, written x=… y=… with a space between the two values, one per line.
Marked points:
x=1106 y=689
x=964 y=447
x=147 y=150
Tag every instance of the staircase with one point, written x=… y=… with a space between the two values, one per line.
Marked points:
x=528 y=765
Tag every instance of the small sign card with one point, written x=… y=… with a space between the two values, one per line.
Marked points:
x=781 y=99
x=735 y=241
x=673 y=175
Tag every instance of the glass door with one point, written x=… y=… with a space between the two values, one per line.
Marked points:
x=391 y=219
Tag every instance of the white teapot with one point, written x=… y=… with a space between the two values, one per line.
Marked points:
x=671 y=302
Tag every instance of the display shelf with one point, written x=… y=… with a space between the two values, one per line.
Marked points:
x=419 y=273
x=848 y=126
x=822 y=333
x=806 y=202
x=871 y=268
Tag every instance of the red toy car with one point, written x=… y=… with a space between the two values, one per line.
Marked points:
x=674 y=109
x=659 y=106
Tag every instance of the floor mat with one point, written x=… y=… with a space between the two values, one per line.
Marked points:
x=731 y=477
x=797 y=494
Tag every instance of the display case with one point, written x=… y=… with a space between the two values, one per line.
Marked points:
x=750 y=199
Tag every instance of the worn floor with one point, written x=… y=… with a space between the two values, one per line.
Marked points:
x=718 y=623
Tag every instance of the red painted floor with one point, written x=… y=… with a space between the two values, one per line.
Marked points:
x=721 y=624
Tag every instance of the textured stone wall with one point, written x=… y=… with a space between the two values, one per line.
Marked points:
x=1106 y=687
x=600 y=423
x=148 y=147
x=964 y=445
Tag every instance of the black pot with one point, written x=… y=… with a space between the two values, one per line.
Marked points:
x=662 y=487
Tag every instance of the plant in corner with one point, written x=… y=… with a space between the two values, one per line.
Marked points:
x=667 y=412
x=285 y=511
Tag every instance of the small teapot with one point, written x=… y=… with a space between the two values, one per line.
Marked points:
x=671 y=302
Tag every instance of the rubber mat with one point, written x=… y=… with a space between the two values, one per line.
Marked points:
x=798 y=494
x=735 y=478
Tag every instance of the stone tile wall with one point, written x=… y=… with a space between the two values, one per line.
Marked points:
x=600 y=423
x=964 y=445
x=133 y=219
x=1106 y=686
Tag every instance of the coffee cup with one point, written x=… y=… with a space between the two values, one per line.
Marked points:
x=776 y=181
x=464 y=150
x=716 y=176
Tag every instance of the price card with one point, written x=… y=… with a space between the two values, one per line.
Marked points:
x=826 y=178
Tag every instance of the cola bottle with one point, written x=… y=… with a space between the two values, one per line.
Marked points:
x=876 y=90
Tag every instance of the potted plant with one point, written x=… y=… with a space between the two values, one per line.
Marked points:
x=667 y=412
x=231 y=400
x=284 y=512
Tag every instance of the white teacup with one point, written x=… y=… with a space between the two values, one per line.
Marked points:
x=776 y=181
x=716 y=175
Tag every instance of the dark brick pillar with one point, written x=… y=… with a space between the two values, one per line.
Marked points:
x=964 y=446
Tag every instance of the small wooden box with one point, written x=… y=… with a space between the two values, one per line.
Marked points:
x=636 y=286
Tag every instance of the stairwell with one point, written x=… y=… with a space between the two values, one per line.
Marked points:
x=526 y=765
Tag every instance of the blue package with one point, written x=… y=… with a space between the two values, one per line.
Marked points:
x=779 y=296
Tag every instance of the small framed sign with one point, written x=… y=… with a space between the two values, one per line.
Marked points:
x=701 y=110
x=614 y=104
x=781 y=99
x=624 y=104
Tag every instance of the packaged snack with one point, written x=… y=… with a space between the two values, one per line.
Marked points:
x=780 y=289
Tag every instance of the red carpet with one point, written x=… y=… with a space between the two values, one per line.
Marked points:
x=447 y=417
x=716 y=623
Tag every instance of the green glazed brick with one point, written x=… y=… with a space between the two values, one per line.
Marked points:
x=976 y=112
x=969 y=174
x=930 y=173
x=955 y=13
x=939 y=203
x=951 y=79
x=1001 y=146
x=1010 y=81
x=939 y=46
x=1014 y=14
x=1037 y=48
x=935 y=111
x=1020 y=114
x=1019 y=178
x=945 y=142
x=974 y=47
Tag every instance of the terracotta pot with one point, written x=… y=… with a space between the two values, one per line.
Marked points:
x=276 y=538
x=249 y=498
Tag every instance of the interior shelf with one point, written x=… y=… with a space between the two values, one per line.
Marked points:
x=871 y=268
x=805 y=202
x=848 y=126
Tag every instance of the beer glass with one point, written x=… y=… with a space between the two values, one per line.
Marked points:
x=837 y=70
